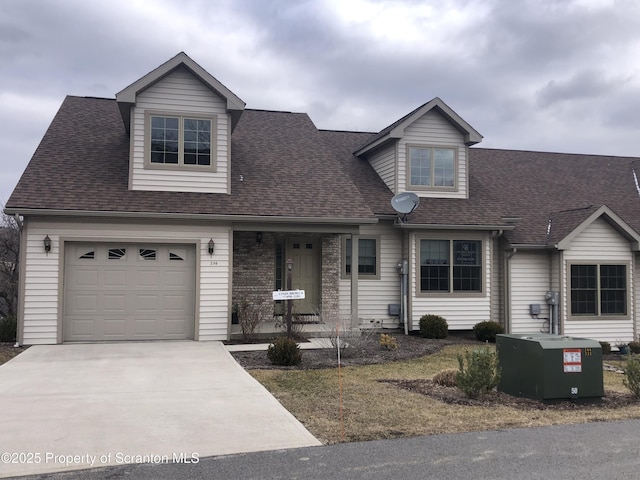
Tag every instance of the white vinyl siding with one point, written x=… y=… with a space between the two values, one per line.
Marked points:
x=432 y=130
x=384 y=163
x=43 y=273
x=529 y=285
x=599 y=243
x=461 y=310
x=375 y=295
x=180 y=93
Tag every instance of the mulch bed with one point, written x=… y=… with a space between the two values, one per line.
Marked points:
x=454 y=396
x=409 y=346
x=8 y=351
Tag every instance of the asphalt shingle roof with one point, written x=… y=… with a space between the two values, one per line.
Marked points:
x=82 y=163
x=290 y=168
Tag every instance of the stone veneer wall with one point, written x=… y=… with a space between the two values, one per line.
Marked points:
x=254 y=270
x=331 y=264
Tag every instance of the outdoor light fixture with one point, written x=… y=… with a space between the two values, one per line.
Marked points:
x=289 y=264
x=259 y=238
x=211 y=247
x=47 y=244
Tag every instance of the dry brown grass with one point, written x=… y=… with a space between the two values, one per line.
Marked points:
x=373 y=409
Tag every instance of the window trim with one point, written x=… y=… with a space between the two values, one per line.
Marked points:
x=599 y=316
x=432 y=188
x=361 y=276
x=180 y=166
x=452 y=293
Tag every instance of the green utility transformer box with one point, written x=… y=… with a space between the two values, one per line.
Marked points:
x=543 y=366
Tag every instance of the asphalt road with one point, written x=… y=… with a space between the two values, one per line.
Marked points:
x=589 y=451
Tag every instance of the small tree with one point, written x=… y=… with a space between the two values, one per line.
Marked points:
x=251 y=313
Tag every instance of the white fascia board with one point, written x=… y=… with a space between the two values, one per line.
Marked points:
x=613 y=219
x=193 y=216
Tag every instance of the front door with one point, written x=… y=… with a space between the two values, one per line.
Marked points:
x=305 y=253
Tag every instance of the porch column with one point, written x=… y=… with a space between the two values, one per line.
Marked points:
x=354 y=280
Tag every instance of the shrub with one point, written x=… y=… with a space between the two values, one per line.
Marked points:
x=349 y=339
x=486 y=331
x=388 y=342
x=284 y=351
x=446 y=378
x=632 y=374
x=480 y=373
x=8 y=327
x=606 y=348
x=634 y=347
x=433 y=326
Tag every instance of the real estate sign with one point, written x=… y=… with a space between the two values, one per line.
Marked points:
x=288 y=294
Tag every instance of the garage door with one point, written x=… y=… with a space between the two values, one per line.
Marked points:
x=128 y=292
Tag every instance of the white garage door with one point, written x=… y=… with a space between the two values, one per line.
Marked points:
x=128 y=292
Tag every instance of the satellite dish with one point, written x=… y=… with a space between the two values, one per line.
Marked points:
x=405 y=202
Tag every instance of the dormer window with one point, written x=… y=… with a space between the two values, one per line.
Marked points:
x=431 y=167
x=179 y=141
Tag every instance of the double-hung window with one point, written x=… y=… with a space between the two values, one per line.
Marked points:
x=450 y=266
x=431 y=167
x=598 y=289
x=180 y=141
x=367 y=257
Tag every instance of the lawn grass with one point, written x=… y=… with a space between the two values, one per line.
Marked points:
x=375 y=410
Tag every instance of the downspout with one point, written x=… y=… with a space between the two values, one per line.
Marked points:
x=552 y=313
x=403 y=271
x=404 y=287
x=634 y=266
x=495 y=253
x=561 y=290
x=507 y=288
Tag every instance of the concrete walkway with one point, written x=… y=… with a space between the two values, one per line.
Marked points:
x=88 y=405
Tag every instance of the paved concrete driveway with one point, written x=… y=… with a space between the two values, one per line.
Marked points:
x=78 y=406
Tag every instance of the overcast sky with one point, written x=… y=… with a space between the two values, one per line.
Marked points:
x=547 y=75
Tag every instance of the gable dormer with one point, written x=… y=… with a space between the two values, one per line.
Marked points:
x=425 y=152
x=179 y=119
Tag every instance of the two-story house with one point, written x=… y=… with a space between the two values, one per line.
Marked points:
x=149 y=216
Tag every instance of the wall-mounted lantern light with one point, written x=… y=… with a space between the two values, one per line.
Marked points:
x=211 y=247
x=47 y=244
x=259 y=238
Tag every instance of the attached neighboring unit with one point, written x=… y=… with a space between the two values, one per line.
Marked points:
x=128 y=292
x=543 y=366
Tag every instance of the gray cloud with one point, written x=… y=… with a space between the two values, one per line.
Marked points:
x=586 y=85
x=533 y=74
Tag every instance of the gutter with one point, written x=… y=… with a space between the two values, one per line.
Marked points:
x=193 y=216
x=533 y=246
x=432 y=226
